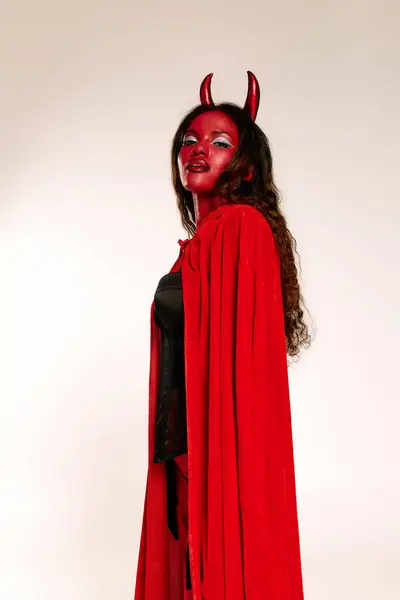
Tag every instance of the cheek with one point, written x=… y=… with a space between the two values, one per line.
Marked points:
x=181 y=161
x=222 y=159
x=184 y=153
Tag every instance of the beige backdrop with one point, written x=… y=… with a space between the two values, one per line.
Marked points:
x=91 y=93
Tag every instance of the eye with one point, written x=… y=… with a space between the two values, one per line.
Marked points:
x=222 y=142
x=189 y=140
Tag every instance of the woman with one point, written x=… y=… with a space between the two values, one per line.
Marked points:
x=220 y=515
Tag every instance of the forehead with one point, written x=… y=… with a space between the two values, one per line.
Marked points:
x=213 y=121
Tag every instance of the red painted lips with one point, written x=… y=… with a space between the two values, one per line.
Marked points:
x=197 y=165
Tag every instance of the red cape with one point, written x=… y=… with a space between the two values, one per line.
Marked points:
x=243 y=527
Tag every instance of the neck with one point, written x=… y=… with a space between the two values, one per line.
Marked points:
x=204 y=205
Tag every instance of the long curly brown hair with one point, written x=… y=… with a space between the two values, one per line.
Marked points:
x=254 y=152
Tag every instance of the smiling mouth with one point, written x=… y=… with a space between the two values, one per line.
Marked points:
x=197 y=166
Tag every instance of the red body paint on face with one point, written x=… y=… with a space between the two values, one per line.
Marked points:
x=208 y=146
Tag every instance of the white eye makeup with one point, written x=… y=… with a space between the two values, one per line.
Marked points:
x=222 y=142
x=189 y=139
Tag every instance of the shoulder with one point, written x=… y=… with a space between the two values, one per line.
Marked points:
x=235 y=218
x=243 y=213
x=232 y=230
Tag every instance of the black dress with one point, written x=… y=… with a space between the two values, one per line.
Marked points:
x=170 y=433
x=170 y=426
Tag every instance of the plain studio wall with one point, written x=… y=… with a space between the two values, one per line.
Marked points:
x=91 y=94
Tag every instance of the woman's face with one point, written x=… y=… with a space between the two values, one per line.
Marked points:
x=208 y=146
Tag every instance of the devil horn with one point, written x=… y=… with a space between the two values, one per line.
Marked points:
x=253 y=96
x=205 y=90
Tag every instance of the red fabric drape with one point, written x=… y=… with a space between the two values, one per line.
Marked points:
x=243 y=528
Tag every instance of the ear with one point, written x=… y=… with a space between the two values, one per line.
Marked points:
x=249 y=175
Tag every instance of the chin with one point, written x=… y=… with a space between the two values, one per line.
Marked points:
x=196 y=183
x=200 y=191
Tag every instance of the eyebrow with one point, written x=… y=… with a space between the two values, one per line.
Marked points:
x=214 y=132
x=220 y=131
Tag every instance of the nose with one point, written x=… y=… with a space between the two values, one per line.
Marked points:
x=199 y=148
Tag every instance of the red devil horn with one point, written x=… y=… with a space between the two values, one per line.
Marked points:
x=253 y=96
x=205 y=90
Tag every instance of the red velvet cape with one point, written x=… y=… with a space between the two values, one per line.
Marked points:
x=243 y=525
